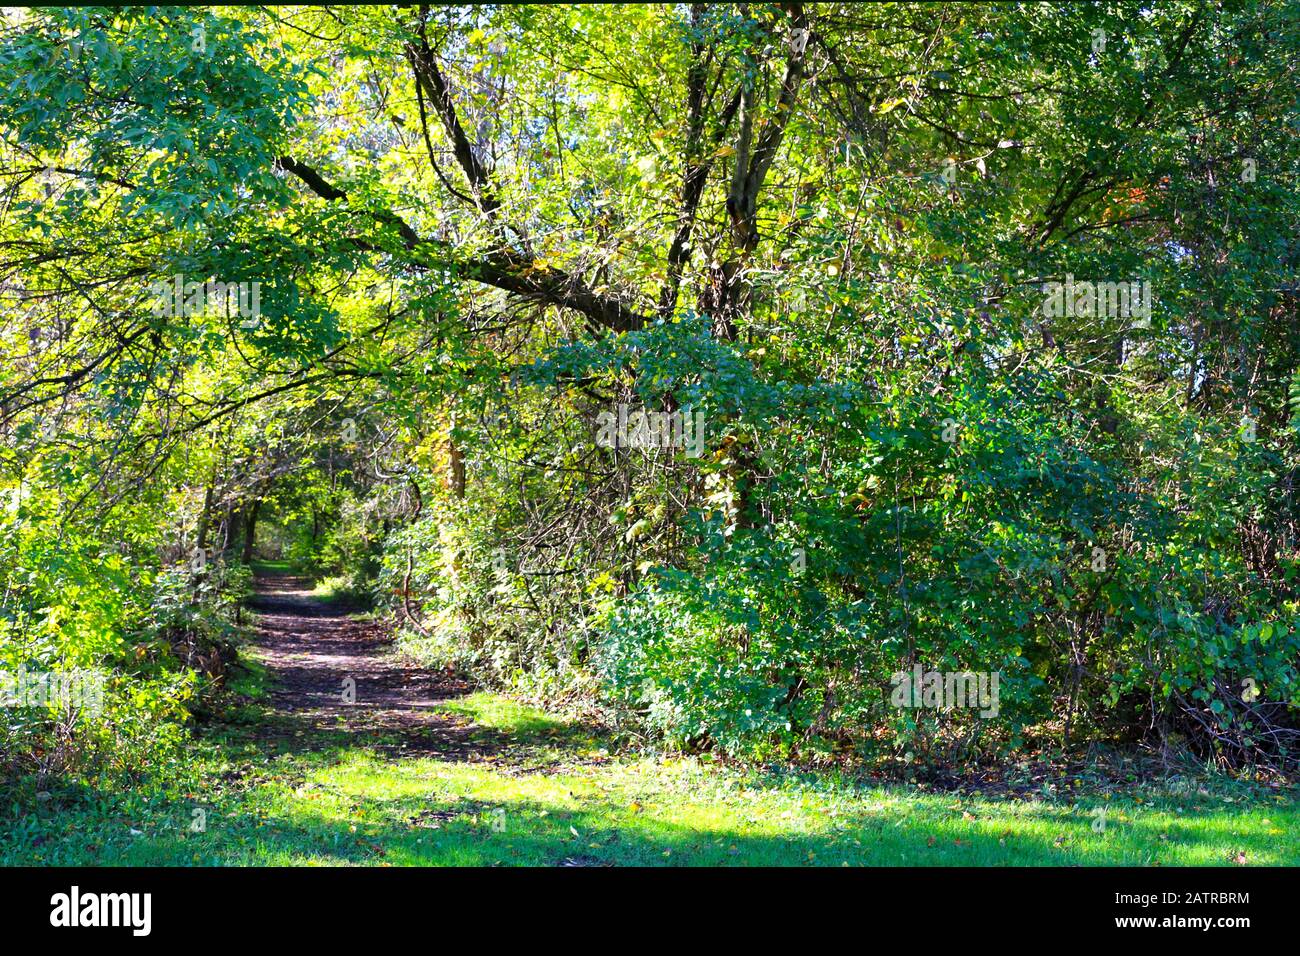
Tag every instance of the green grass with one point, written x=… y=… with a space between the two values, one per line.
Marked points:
x=338 y=590
x=556 y=794
x=265 y=565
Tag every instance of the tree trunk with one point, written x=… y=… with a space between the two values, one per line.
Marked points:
x=455 y=463
x=205 y=519
x=250 y=530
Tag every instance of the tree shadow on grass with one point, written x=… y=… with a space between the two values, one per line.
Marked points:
x=522 y=833
x=442 y=734
x=314 y=822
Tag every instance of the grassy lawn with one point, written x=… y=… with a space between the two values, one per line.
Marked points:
x=545 y=792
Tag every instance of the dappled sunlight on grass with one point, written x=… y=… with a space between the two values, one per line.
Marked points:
x=502 y=713
x=559 y=798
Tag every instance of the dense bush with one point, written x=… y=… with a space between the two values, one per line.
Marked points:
x=866 y=544
x=134 y=641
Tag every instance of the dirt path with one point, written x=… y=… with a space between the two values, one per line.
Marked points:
x=316 y=652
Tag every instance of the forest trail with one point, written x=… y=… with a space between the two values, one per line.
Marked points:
x=420 y=771
x=331 y=670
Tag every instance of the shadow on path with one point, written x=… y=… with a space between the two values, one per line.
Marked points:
x=332 y=673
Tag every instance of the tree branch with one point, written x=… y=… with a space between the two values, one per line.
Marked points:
x=508 y=272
